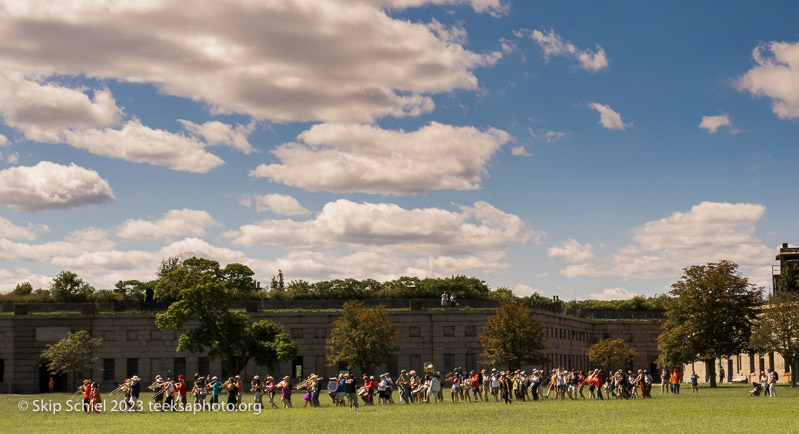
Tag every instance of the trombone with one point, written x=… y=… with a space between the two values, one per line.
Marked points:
x=306 y=383
x=123 y=388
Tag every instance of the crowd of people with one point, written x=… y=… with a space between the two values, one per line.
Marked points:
x=430 y=386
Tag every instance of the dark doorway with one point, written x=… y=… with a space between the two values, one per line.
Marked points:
x=296 y=370
x=60 y=380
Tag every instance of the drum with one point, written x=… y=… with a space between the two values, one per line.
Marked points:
x=332 y=387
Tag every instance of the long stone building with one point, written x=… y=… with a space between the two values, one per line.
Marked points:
x=132 y=345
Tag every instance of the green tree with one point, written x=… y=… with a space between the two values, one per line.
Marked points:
x=67 y=286
x=202 y=293
x=608 y=353
x=511 y=337
x=709 y=316
x=24 y=288
x=75 y=353
x=362 y=337
x=788 y=280
x=777 y=329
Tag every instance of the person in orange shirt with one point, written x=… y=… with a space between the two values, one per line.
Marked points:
x=676 y=379
x=87 y=394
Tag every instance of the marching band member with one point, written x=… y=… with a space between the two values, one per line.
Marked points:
x=135 y=390
x=239 y=390
x=216 y=387
x=257 y=388
x=232 y=393
x=180 y=389
x=199 y=390
x=94 y=405
x=285 y=391
x=270 y=390
x=86 y=389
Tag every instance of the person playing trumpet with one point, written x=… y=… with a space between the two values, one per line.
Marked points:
x=285 y=391
x=199 y=391
x=232 y=393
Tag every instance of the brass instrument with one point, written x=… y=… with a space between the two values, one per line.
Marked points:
x=122 y=388
x=306 y=383
x=255 y=385
x=428 y=368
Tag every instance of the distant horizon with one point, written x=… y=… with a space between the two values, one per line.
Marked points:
x=586 y=150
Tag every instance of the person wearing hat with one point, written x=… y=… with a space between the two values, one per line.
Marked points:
x=404 y=387
x=646 y=385
x=351 y=389
x=181 y=388
x=381 y=390
x=216 y=387
x=256 y=387
x=134 y=389
x=371 y=387
x=240 y=388
x=86 y=389
x=285 y=391
x=494 y=385
x=199 y=391
x=232 y=393
x=269 y=387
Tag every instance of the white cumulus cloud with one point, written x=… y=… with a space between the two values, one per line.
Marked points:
x=346 y=158
x=708 y=232
x=713 y=123
x=293 y=60
x=612 y=294
x=776 y=76
x=49 y=185
x=42 y=110
x=217 y=133
x=608 y=117
x=279 y=204
x=15 y=232
x=520 y=151
x=554 y=45
x=174 y=223
x=571 y=250
x=388 y=227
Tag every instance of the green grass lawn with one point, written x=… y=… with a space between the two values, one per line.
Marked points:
x=725 y=409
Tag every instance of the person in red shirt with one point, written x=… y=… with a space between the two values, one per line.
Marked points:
x=94 y=405
x=181 y=388
x=474 y=383
x=87 y=394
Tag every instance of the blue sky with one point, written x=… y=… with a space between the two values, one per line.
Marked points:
x=583 y=149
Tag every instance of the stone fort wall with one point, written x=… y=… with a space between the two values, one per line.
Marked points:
x=447 y=338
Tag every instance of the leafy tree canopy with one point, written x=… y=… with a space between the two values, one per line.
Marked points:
x=67 y=286
x=609 y=353
x=73 y=354
x=511 y=337
x=788 y=280
x=24 y=288
x=709 y=315
x=202 y=292
x=777 y=329
x=362 y=337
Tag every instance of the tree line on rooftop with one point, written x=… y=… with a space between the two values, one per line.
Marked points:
x=69 y=287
